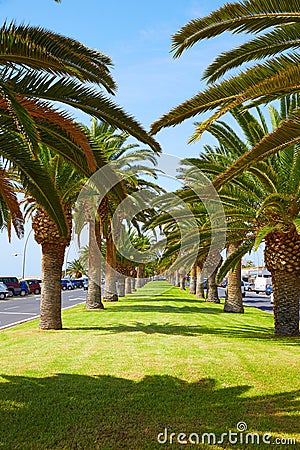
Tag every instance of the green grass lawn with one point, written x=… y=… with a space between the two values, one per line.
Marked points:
x=158 y=359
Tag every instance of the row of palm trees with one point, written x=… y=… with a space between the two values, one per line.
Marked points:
x=46 y=155
x=261 y=204
x=258 y=178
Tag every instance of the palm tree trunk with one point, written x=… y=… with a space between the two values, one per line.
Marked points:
x=53 y=251
x=177 y=279
x=283 y=261
x=212 y=288
x=110 y=289
x=93 y=298
x=199 y=282
x=172 y=279
x=193 y=279
x=234 y=300
x=133 y=289
x=286 y=292
x=182 y=275
x=50 y=308
x=121 y=285
x=140 y=276
x=127 y=285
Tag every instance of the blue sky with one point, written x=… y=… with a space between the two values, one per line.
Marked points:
x=137 y=36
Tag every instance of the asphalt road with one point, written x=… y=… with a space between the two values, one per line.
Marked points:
x=260 y=301
x=18 y=309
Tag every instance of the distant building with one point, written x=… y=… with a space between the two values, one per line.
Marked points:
x=249 y=274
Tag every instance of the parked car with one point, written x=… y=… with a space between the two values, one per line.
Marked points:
x=66 y=284
x=4 y=292
x=78 y=282
x=249 y=286
x=86 y=284
x=13 y=285
x=24 y=288
x=269 y=289
x=34 y=285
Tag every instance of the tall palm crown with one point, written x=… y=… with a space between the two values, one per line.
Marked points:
x=37 y=69
x=39 y=64
x=277 y=75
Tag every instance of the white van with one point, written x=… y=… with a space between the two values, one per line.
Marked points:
x=260 y=284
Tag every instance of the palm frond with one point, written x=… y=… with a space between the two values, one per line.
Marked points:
x=263 y=82
x=38 y=48
x=80 y=96
x=250 y=16
x=261 y=47
x=286 y=134
x=34 y=177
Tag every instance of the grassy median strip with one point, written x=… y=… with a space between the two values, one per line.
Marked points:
x=157 y=362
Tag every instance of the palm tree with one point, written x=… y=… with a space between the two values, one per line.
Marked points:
x=40 y=68
x=263 y=204
x=124 y=159
x=66 y=180
x=76 y=268
x=276 y=76
x=142 y=243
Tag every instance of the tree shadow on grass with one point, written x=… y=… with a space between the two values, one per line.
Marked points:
x=154 y=300
x=70 y=411
x=254 y=333
x=130 y=307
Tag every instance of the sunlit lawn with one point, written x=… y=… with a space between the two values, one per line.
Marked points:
x=158 y=359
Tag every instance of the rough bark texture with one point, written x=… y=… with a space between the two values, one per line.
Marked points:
x=282 y=257
x=213 y=264
x=93 y=298
x=140 y=276
x=172 y=279
x=286 y=294
x=234 y=300
x=212 y=288
x=127 y=285
x=199 y=282
x=182 y=275
x=110 y=288
x=121 y=285
x=50 y=308
x=133 y=289
x=53 y=250
x=193 y=279
x=177 y=278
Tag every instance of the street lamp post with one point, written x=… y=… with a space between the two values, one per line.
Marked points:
x=24 y=254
